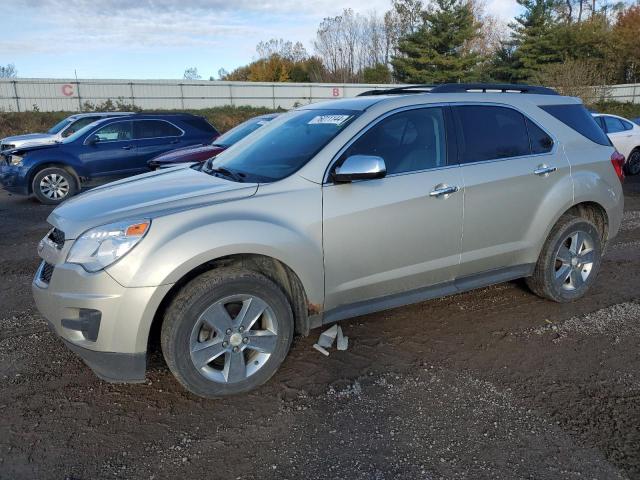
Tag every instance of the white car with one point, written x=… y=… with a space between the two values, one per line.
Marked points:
x=625 y=136
x=59 y=131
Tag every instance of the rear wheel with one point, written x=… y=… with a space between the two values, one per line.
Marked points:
x=633 y=163
x=569 y=261
x=53 y=185
x=227 y=332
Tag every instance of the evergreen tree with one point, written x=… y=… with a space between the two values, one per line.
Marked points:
x=536 y=39
x=438 y=50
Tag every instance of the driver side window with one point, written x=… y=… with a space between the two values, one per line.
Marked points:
x=119 y=131
x=407 y=141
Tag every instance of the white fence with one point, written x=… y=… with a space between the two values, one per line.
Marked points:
x=71 y=95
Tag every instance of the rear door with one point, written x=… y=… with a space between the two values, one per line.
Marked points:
x=510 y=165
x=391 y=236
x=154 y=137
x=113 y=153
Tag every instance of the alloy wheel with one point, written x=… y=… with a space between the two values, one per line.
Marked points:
x=54 y=186
x=233 y=338
x=574 y=261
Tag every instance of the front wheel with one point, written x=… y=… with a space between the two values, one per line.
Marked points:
x=53 y=185
x=569 y=261
x=226 y=332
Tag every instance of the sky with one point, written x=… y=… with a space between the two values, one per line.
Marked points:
x=159 y=39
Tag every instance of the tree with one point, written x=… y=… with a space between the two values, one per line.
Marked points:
x=626 y=33
x=8 y=71
x=438 y=51
x=536 y=38
x=379 y=73
x=191 y=74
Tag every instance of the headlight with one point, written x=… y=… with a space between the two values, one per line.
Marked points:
x=99 y=247
x=15 y=160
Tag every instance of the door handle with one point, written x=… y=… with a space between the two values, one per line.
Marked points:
x=174 y=141
x=443 y=190
x=544 y=170
x=127 y=147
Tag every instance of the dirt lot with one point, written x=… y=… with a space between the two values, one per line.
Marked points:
x=495 y=383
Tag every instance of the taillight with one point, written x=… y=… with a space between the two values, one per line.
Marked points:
x=617 y=160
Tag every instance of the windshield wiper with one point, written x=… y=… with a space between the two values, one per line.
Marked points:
x=227 y=173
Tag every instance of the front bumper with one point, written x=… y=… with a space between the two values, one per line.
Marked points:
x=14 y=178
x=106 y=324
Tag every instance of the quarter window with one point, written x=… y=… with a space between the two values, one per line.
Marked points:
x=490 y=133
x=115 y=132
x=540 y=141
x=408 y=141
x=614 y=125
x=154 y=129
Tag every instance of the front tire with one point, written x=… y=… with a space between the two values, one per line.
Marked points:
x=227 y=332
x=53 y=185
x=569 y=261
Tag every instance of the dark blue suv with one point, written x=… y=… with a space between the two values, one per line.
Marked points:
x=102 y=151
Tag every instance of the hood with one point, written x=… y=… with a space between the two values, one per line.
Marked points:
x=188 y=153
x=30 y=138
x=29 y=147
x=145 y=196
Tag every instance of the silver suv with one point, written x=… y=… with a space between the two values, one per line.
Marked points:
x=331 y=211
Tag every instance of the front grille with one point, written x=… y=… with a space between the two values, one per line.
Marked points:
x=57 y=237
x=46 y=272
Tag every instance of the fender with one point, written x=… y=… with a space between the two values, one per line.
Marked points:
x=177 y=244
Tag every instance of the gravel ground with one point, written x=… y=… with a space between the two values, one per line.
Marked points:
x=495 y=383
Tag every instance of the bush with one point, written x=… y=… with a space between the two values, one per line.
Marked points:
x=223 y=118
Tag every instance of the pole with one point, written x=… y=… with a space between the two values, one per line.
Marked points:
x=15 y=92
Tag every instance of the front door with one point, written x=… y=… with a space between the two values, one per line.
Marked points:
x=114 y=151
x=394 y=235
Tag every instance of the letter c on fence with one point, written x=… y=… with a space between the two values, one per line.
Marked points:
x=67 y=90
x=336 y=92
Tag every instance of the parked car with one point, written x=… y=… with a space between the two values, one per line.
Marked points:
x=200 y=153
x=61 y=130
x=625 y=136
x=333 y=210
x=101 y=151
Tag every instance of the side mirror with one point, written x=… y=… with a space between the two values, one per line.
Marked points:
x=93 y=139
x=360 y=167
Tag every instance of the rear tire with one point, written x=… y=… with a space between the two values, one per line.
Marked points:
x=569 y=261
x=227 y=332
x=53 y=185
x=632 y=166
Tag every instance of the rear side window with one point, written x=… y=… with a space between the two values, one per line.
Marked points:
x=154 y=129
x=490 y=133
x=578 y=118
x=540 y=141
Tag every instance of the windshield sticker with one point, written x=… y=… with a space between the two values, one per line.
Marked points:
x=329 y=119
x=263 y=122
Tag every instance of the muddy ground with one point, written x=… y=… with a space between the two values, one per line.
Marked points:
x=495 y=383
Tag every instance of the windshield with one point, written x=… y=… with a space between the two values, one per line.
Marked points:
x=238 y=133
x=59 y=126
x=283 y=149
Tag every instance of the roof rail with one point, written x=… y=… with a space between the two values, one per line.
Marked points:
x=492 y=87
x=463 y=88
x=425 y=88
